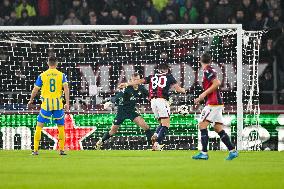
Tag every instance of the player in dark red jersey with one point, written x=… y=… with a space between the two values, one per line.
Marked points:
x=159 y=86
x=212 y=112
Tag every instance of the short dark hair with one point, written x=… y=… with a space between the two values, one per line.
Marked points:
x=205 y=58
x=163 y=66
x=135 y=74
x=52 y=61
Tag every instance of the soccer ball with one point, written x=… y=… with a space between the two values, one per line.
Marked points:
x=183 y=110
x=108 y=106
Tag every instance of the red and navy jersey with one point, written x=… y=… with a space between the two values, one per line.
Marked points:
x=160 y=84
x=209 y=74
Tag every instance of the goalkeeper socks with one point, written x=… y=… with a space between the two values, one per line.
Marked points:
x=148 y=134
x=106 y=136
x=61 y=137
x=37 y=137
x=162 y=133
x=204 y=139
x=226 y=140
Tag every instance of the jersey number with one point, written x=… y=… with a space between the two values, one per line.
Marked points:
x=52 y=85
x=159 y=81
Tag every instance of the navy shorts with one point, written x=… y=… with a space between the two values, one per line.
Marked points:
x=46 y=116
x=122 y=115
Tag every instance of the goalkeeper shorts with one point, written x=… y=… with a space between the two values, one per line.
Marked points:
x=57 y=116
x=123 y=115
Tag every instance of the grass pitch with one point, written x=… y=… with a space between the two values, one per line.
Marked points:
x=140 y=169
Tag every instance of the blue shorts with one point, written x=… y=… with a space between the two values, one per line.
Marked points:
x=46 y=116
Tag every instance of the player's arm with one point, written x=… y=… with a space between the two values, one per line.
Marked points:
x=215 y=84
x=175 y=85
x=67 y=96
x=38 y=85
x=144 y=91
x=178 y=88
x=114 y=100
x=118 y=95
x=66 y=92
x=131 y=83
x=33 y=95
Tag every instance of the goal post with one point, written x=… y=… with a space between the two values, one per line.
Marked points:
x=240 y=116
x=183 y=44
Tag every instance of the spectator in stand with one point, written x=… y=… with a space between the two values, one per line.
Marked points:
x=24 y=5
x=258 y=22
x=149 y=20
x=45 y=12
x=279 y=49
x=240 y=19
x=261 y=5
x=133 y=20
x=92 y=19
x=222 y=12
x=81 y=8
x=104 y=17
x=206 y=20
x=232 y=20
x=190 y=10
x=116 y=17
x=149 y=11
x=171 y=19
x=25 y=20
x=248 y=9
x=267 y=52
x=184 y=19
x=12 y=20
x=72 y=19
x=266 y=84
x=133 y=8
x=272 y=21
x=5 y=9
x=171 y=8
x=206 y=10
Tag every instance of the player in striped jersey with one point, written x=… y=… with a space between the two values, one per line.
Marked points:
x=51 y=82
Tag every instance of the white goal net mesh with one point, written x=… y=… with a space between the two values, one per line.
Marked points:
x=95 y=62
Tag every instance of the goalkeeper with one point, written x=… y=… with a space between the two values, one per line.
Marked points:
x=126 y=101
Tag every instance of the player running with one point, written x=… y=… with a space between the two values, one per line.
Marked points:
x=159 y=86
x=126 y=101
x=51 y=83
x=212 y=112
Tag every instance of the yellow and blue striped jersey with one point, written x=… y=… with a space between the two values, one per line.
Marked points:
x=51 y=83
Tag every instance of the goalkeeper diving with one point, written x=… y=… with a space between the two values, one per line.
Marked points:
x=126 y=101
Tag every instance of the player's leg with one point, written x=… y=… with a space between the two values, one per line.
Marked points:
x=138 y=120
x=163 y=112
x=43 y=117
x=37 y=137
x=165 y=124
x=107 y=135
x=60 y=121
x=204 y=140
x=203 y=124
x=120 y=117
x=218 y=127
x=156 y=114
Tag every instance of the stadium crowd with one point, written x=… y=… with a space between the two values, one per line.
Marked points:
x=252 y=14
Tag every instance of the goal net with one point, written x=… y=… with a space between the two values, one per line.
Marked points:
x=97 y=58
